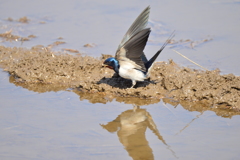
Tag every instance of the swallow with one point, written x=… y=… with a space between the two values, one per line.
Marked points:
x=130 y=61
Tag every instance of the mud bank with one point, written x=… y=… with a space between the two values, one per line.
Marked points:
x=85 y=74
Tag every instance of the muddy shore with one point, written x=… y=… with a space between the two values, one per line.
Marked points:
x=40 y=69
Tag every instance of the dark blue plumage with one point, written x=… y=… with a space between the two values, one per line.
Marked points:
x=130 y=61
x=112 y=63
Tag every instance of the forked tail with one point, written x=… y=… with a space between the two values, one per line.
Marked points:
x=150 y=62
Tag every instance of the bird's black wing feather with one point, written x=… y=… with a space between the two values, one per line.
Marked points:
x=134 y=47
x=139 y=24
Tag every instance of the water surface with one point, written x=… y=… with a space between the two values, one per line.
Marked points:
x=64 y=125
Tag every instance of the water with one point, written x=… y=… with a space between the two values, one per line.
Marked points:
x=64 y=125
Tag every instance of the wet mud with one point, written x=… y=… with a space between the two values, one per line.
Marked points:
x=8 y=36
x=40 y=69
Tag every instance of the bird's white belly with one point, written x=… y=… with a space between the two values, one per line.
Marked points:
x=131 y=73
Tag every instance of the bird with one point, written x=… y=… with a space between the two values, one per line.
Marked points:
x=130 y=61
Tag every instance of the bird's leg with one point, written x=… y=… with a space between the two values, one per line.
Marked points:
x=133 y=83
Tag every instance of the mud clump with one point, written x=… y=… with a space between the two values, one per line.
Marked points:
x=39 y=65
x=8 y=36
x=195 y=85
x=85 y=75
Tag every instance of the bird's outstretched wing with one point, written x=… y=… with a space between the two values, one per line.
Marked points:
x=134 y=41
x=132 y=51
x=139 y=24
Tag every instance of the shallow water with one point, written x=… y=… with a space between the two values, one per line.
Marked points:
x=64 y=125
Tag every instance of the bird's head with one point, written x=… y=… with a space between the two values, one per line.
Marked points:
x=111 y=63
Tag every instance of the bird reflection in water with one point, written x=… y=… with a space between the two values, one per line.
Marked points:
x=131 y=126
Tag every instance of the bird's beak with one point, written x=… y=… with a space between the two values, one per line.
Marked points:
x=104 y=65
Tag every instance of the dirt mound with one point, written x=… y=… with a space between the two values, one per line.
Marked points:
x=85 y=74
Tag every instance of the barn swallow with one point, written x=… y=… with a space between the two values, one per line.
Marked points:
x=130 y=61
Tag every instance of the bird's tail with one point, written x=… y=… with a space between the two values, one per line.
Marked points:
x=150 y=62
